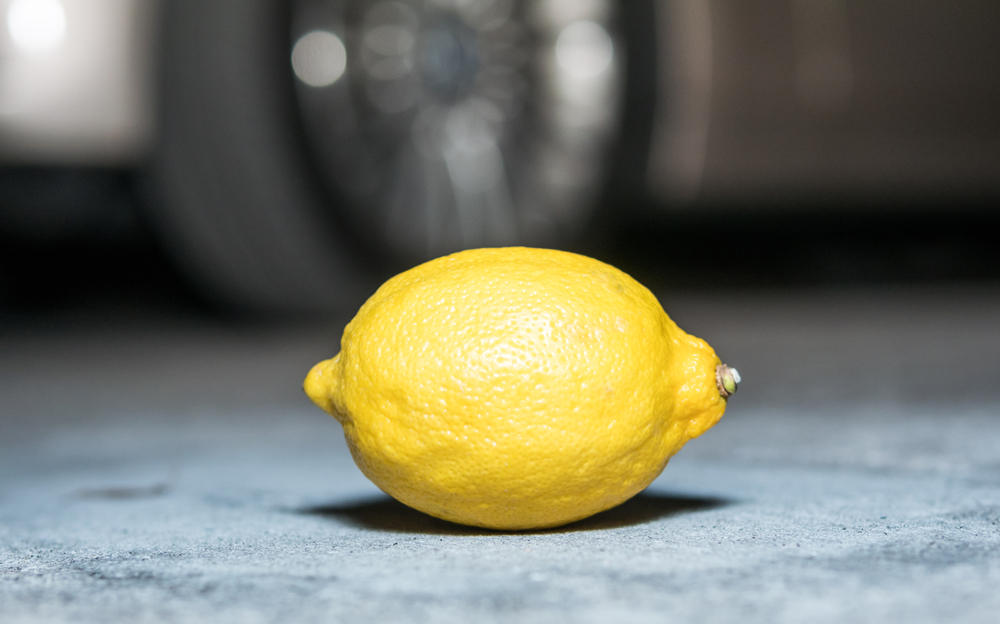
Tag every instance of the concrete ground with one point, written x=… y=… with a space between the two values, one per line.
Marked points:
x=169 y=470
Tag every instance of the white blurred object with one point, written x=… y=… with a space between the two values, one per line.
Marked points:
x=584 y=49
x=36 y=26
x=76 y=81
x=319 y=58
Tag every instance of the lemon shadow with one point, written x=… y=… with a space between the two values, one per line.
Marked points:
x=386 y=514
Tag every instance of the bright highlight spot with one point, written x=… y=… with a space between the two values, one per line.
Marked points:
x=584 y=49
x=36 y=25
x=319 y=58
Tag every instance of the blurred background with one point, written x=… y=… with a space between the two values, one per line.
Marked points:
x=280 y=158
x=196 y=196
x=790 y=177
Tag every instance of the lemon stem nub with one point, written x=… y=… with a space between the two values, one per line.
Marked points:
x=727 y=379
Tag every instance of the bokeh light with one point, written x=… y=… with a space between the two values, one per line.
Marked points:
x=319 y=58
x=36 y=26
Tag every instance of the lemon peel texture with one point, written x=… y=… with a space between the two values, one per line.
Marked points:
x=517 y=388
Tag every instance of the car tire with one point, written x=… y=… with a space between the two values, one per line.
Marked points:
x=232 y=189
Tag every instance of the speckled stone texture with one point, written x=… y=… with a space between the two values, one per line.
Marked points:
x=170 y=471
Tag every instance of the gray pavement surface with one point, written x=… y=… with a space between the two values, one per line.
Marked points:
x=169 y=470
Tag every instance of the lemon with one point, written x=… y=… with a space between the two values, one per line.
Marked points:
x=517 y=388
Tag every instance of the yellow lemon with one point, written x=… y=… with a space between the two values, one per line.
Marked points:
x=517 y=388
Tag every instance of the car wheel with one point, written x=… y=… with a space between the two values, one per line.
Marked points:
x=298 y=139
x=450 y=124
